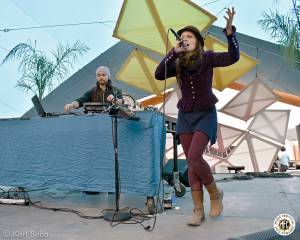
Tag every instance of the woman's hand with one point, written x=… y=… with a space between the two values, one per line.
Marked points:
x=229 y=19
x=180 y=46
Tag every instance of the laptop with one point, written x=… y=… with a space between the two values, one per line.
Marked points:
x=41 y=111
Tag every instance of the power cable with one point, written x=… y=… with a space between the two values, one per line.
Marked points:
x=58 y=25
x=205 y=4
x=26 y=13
x=7 y=105
x=229 y=4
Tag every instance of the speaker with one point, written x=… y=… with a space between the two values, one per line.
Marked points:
x=182 y=169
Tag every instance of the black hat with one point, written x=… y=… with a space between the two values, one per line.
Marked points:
x=195 y=31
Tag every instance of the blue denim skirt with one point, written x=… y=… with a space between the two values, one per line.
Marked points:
x=198 y=120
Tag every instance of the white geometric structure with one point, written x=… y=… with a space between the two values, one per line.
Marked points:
x=217 y=155
x=272 y=124
x=226 y=137
x=252 y=151
x=255 y=153
x=251 y=100
x=171 y=103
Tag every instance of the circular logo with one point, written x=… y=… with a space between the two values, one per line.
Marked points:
x=284 y=224
x=6 y=233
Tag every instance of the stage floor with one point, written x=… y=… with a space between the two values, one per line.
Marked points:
x=249 y=206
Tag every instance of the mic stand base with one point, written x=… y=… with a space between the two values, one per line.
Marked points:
x=116 y=216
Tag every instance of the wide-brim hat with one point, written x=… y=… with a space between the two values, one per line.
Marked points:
x=195 y=31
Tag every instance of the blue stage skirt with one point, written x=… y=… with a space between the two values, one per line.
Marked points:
x=198 y=120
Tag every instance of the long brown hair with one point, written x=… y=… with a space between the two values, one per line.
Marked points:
x=188 y=60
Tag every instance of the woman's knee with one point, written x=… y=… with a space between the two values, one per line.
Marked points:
x=194 y=181
x=196 y=186
x=195 y=162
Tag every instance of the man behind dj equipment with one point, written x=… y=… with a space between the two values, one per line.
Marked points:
x=103 y=92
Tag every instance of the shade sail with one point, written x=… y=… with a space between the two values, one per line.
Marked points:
x=226 y=137
x=272 y=124
x=138 y=71
x=250 y=101
x=145 y=22
x=223 y=76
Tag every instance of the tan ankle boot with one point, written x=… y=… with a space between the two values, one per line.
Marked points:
x=216 y=198
x=197 y=217
x=198 y=214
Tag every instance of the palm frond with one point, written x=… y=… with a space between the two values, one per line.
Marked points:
x=22 y=52
x=275 y=24
x=26 y=86
x=66 y=56
x=290 y=47
x=38 y=71
x=285 y=30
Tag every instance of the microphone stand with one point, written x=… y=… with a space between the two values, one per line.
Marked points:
x=116 y=215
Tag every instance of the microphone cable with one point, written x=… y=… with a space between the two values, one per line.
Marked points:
x=163 y=135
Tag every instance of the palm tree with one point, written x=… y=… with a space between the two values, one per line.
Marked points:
x=285 y=30
x=40 y=73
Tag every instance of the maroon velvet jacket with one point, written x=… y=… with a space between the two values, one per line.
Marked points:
x=196 y=86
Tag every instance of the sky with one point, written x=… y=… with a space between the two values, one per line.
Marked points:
x=98 y=37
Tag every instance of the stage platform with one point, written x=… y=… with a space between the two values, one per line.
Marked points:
x=250 y=206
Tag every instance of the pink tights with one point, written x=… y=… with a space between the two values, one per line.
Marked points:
x=199 y=172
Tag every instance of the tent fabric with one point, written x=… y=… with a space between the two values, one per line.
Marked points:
x=250 y=101
x=272 y=124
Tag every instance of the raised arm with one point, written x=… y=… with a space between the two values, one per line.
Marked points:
x=222 y=59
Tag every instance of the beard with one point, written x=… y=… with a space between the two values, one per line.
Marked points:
x=102 y=82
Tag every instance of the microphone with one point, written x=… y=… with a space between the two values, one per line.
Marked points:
x=183 y=44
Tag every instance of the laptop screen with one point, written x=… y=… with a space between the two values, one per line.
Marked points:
x=38 y=106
